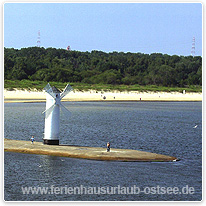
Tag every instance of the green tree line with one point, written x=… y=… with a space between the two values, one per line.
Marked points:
x=97 y=67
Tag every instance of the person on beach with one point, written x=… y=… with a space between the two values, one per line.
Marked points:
x=108 y=147
x=32 y=139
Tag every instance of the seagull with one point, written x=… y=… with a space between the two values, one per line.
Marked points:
x=195 y=126
x=39 y=165
x=62 y=160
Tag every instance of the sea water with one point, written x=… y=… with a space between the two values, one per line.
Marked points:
x=160 y=127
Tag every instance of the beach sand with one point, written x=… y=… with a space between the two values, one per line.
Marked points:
x=35 y=96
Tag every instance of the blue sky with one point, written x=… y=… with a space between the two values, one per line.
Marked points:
x=166 y=28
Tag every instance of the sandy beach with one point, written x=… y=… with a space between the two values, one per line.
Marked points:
x=35 y=96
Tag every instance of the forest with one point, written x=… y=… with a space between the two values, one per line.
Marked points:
x=97 y=67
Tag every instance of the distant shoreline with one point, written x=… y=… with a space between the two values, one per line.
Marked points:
x=92 y=95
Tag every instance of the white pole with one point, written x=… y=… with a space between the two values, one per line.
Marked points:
x=51 y=131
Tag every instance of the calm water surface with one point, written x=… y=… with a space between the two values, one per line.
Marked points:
x=160 y=127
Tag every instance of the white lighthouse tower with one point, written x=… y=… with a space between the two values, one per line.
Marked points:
x=52 y=113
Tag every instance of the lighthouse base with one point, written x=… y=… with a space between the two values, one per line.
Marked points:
x=51 y=142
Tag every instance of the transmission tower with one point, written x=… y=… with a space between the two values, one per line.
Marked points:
x=193 y=47
x=38 y=39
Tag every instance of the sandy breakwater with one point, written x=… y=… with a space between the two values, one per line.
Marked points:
x=36 y=96
x=92 y=153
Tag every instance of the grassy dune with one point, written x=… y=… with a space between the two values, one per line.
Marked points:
x=39 y=85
